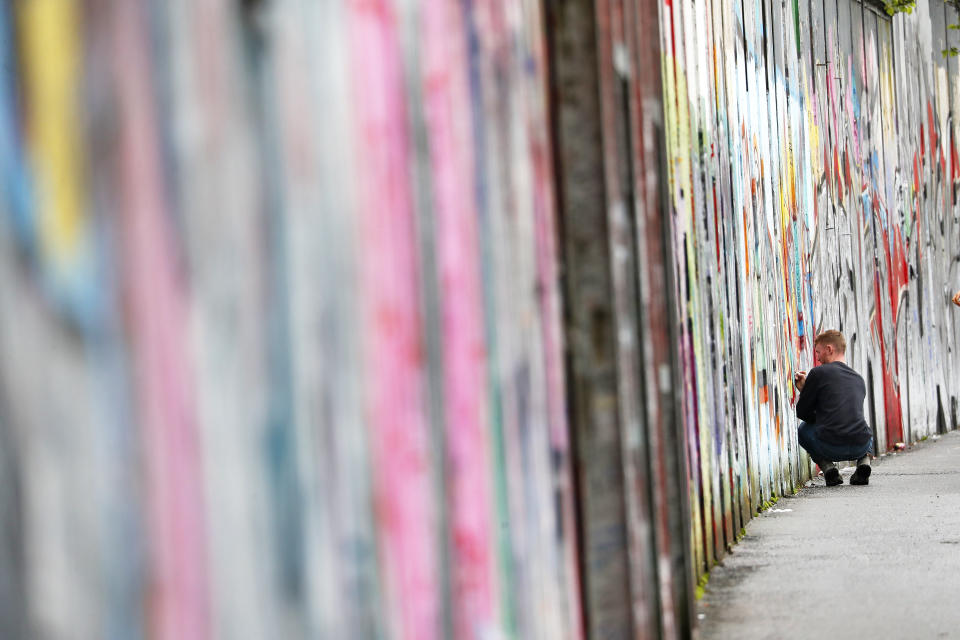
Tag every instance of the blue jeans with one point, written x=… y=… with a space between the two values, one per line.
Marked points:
x=823 y=452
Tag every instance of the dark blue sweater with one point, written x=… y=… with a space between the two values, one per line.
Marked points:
x=832 y=399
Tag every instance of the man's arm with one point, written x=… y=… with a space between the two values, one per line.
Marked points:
x=807 y=404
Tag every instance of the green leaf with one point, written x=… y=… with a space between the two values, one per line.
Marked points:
x=893 y=7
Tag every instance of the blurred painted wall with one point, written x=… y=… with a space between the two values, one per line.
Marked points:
x=280 y=330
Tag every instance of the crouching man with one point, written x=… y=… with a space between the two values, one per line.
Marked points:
x=831 y=409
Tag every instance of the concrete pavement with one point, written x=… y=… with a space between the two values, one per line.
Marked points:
x=880 y=561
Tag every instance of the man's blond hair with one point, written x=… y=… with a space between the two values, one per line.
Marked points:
x=832 y=337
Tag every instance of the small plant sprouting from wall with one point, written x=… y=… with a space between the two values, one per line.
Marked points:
x=951 y=51
x=893 y=7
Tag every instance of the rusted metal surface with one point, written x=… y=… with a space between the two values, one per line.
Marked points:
x=609 y=128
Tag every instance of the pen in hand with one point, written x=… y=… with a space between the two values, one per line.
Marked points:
x=799 y=378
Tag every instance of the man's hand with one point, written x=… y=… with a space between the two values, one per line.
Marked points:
x=956 y=298
x=799 y=379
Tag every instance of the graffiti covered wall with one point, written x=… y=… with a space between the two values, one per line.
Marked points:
x=280 y=332
x=813 y=182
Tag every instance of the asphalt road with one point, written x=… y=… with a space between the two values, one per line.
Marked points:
x=880 y=561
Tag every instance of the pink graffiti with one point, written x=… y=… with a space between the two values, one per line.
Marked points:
x=179 y=608
x=400 y=437
x=447 y=107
